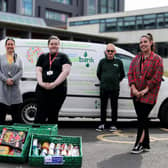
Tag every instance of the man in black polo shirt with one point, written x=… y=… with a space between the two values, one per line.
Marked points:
x=110 y=72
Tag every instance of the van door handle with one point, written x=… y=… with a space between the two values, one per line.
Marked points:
x=97 y=84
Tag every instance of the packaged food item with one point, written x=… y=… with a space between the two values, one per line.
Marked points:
x=58 y=150
x=75 y=151
x=51 y=149
x=14 y=152
x=12 y=138
x=35 y=147
x=4 y=150
x=70 y=148
x=45 y=145
x=64 y=148
x=44 y=152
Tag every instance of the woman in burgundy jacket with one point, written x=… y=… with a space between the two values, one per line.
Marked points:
x=144 y=76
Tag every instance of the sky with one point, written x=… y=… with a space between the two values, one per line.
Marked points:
x=143 y=4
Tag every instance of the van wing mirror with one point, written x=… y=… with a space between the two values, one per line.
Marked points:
x=97 y=84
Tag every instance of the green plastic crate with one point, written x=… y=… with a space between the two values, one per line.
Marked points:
x=43 y=129
x=24 y=154
x=69 y=161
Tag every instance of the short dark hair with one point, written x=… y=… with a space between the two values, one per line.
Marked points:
x=53 y=37
x=6 y=41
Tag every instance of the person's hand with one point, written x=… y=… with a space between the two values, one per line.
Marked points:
x=44 y=85
x=51 y=85
x=134 y=91
x=9 y=82
x=144 y=91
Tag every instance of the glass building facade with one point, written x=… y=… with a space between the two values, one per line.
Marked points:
x=27 y=7
x=103 y=6
x=53 y=15
x=3 y=5
x=129 y=23
x=68 y=2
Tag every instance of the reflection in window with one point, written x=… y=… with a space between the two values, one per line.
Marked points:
x=27 y=7
x=53 y=15
x=102 y=28
x=68 y=2
x=92 y=7
x=103 y=6
x=126 y=61
x=129 y=23
x=111 y=6
x=3 y=5
x=149 y=23
x=0 y=5
x=139 y=24
x=160 y=22
x=111 y=27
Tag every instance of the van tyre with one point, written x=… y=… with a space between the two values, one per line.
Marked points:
x=163 y=114
x=28 y=110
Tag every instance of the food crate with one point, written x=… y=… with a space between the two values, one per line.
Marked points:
x=43 y=129
x=56 y=161
x=22 y=157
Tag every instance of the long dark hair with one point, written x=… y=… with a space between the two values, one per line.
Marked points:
x=150 y=38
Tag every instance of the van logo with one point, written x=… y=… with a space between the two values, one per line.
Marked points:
x=33 y=53
x=87 y=60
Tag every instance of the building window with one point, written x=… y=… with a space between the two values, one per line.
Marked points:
x=27 y=7
x=103 y=6
x=57 y=16
x=160 y=20
x=92 y=6
x=129 y=23
x=111 y=6
x=150 y=21
x=3 y=5
x=67 y=2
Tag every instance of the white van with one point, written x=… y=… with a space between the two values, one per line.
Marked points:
x=83 y=86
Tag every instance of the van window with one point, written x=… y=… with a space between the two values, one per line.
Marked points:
x=126 y=61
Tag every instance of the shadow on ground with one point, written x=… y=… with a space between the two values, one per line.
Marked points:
x=125 y=160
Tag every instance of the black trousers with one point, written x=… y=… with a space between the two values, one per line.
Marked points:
x=49 y=103
x=13 y=109
x=104 y=96
x=143 y=110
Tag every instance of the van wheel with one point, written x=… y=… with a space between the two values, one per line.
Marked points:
x=163 y=114
x=28 y=110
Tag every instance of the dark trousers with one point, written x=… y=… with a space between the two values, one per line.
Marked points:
x=104 y=96
x=49 y=103
x=13 y=109
x=142 y=111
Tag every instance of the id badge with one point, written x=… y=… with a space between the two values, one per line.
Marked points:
x=49 y=73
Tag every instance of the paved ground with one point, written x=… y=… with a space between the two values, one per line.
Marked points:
x=106 y=150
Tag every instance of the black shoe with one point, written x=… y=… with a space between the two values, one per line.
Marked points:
x=100 y=128
x=113 y=128
x=137 y=149
x=146 y=149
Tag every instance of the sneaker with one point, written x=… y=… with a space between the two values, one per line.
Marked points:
x=137 y=149
x=100 y=128
x=113 y=128
x=146 y=149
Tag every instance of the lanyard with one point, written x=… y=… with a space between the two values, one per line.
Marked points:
x=51 y=61
x=143 y=60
